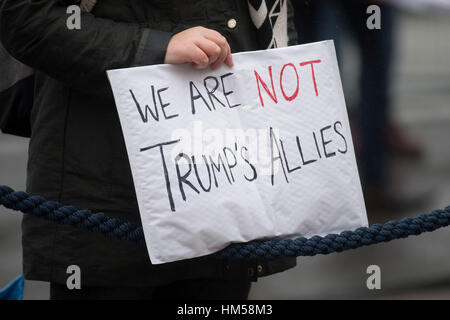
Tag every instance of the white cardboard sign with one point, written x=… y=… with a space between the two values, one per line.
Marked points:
x=260 y=150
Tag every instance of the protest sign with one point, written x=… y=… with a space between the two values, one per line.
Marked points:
x=260 y=150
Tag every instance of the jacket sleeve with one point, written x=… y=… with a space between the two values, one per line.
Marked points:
x=35 y=33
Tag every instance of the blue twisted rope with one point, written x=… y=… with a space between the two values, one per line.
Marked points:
x=271 y=249
x=84 y=219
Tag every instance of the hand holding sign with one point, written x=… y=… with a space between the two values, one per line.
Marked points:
x=201 y=46
x=260 y=150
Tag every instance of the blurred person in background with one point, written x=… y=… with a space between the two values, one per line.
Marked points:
x=376 y=134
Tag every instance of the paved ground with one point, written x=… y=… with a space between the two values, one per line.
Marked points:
x=416 y=267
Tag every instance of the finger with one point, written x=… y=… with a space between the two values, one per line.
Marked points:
x=198 y=58
x=229 y=58
x=219 y=40
x=221 y=58
x=209 y=47
x=215 y=36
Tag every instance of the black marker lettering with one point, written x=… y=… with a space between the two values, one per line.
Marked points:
x=164 y=105
x=342 y=136
x=198 y=176
x=324 y=143
x=183 y=178
x=227 y=93
x=197 y=96
x=272 y=140
x=249 y=163
x=211 y=91
x=301 y=153
x=285 y=159
x=230 y=166
x=317 y=145
x=215 y=167
x=166 y=173
x=144 y=116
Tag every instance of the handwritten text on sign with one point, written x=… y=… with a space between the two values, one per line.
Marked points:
x=259 y=150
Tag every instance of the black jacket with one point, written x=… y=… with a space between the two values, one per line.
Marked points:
x=77 y=154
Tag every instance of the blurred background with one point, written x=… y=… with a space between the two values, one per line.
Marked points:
x=397 y=86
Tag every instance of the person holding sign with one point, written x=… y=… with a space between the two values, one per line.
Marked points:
x=77 y=154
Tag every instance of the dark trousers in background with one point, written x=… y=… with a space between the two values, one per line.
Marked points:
x=195 y=289
x=328 y=19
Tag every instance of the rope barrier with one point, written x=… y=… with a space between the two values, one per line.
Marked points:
x=264 y=250
x=56 y=212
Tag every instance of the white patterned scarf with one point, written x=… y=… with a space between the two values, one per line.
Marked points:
x=270 y=18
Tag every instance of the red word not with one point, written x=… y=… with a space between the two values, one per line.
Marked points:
x=288 y=97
